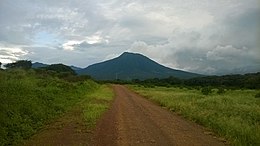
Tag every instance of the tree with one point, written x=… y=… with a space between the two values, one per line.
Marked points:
x=24 y=64
x=60 y=68
x=0 y=64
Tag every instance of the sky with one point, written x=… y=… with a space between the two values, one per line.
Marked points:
x=202 y=36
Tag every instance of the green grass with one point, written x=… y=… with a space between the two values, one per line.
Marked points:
x=234 y=115
x=28 y=101
x=97 y=104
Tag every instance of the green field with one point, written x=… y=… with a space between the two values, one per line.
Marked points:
x=29 y=100
x=234 y=114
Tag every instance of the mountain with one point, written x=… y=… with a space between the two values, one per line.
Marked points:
x=130 y=66
x=75 y=68
x=38 y=65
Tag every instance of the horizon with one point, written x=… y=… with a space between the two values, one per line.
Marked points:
x=206 y=37
x=84 y=67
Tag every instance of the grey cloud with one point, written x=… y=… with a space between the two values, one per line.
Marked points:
x=85 y=45
x=11 y=54
x=208 y=37
x=200 y=53
x=242 y=30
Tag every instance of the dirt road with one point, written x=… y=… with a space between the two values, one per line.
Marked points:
x=133 y=120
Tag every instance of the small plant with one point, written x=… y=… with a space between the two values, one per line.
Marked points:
x=197 y=87
x=206 y=90
x=221 y=90
x=148 y=86
x=257 y=95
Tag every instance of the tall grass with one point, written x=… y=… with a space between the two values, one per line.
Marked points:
x=98 y=103
x=28 y=101
x=234 y=114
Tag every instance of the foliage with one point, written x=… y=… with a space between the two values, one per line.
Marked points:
x=61 y=71
x=206 y=90
x=221 y=90
x=29 y=100
x=60 y=68
x=234 y=115
x=24 y=64
x=257 y=95
x=78 y=78
x=247 y=81
x=99 y=102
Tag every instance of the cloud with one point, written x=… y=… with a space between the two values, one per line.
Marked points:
x=8 y=55
x=227 y=53
x=209 y=37
x=94 y=40
x=191 y=51
x=229 y=58
x=70 y=45
x=97 y=38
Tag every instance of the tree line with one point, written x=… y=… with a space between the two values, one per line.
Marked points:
x=59 y=70
x=247 y=81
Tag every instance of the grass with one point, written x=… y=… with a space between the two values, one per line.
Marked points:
x=28 y=101
x=234 y=114
x=97 y=104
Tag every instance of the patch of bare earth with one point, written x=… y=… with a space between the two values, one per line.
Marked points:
x=133 y=120
x=69 y=130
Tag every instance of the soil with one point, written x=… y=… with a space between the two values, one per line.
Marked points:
x=131 y=121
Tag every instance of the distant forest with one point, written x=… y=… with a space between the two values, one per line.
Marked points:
x=247 y=81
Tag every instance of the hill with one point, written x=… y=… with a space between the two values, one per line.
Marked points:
x=130 y=66
x=75 y=68
x=40 y=65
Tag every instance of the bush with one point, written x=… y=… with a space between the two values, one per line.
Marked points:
x=206 y=90
x=257 y=95
x=221 y=91
x=62 y=69
x=29 y=100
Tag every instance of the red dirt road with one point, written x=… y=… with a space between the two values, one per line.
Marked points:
x=133 y=120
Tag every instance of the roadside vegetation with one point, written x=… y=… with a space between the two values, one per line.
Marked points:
x=30 y=98
x=97 y=104
x=233 y=114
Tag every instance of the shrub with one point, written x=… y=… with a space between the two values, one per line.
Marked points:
x=29 y=100
x=257 y=95
x=206 y=90
x=60 y=68
x=221 y=90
